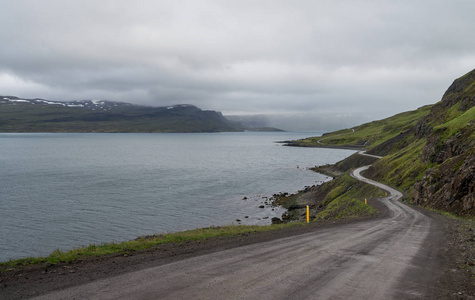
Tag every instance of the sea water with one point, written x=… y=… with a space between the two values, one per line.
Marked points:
x=60 y=191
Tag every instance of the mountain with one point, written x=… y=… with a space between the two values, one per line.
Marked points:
x=253 y=123
x=39 y=115
x=449 y=151
x=428 y=153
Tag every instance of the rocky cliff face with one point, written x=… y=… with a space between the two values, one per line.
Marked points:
x=449 y=152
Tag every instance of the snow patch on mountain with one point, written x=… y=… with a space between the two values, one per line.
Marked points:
x=93 y=104
x=85 y=104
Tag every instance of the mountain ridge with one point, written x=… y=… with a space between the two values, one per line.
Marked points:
x=40 y=115
x=434 y=161
x=428 y=153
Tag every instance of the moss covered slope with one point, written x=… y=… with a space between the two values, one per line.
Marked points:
x=428 y=153
x=369 y=134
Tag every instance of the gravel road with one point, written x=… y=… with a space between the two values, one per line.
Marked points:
x=389 y=258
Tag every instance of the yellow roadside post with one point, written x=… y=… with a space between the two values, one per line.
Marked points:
x=365 y=202
x=308 y=215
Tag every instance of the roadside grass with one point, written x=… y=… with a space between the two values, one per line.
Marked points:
x=450 y=215
x=347 y=199
x=141 y=243
x=465 y=226
x=343 y=207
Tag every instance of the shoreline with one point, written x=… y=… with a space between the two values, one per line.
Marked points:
x=296 y=144
x=111 y=204
x=260 y=214
x=30 y=281
x=261 y=205
x=43 y=278
x=264 y=210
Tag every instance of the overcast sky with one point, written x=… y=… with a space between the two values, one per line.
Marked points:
x=349 y=59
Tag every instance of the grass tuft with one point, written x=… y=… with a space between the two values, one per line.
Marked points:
x=346 y=199
x=141 y=243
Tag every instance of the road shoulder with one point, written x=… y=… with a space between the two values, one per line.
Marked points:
x=37 y=280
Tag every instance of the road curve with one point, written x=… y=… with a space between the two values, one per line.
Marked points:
x=388 y=258
x=363 y=152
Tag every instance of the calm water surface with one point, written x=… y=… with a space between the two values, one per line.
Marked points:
x=69 y=190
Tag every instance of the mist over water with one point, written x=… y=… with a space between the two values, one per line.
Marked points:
x=69 y=190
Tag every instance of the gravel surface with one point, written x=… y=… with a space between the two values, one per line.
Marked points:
x=447 y=250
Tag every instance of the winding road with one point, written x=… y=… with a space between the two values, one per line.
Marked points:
x=389 y=258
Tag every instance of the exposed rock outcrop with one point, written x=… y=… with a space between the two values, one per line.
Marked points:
x=450 y=186
x=449 y=183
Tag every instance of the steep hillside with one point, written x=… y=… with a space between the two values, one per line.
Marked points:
x=428 y=153
x=437 y=166
x=38 y=115
x=449 y=132
x=369 y=134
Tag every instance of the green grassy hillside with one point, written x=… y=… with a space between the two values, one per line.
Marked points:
x=370 y=134
x=428 y=153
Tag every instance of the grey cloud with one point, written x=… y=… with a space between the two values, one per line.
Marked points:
x=321 y=58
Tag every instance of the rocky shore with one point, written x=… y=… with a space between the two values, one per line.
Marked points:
x=457 y=258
